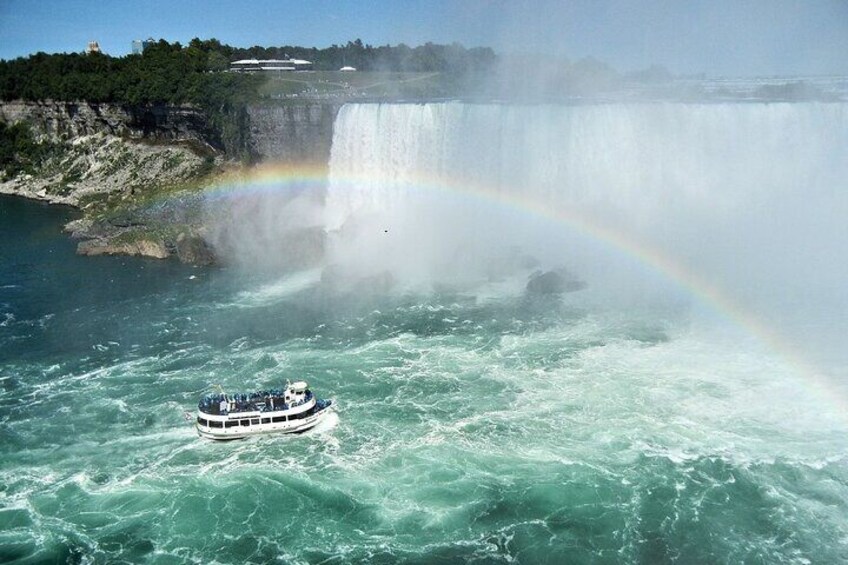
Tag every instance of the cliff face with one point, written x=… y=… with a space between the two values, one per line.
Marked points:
x=113 y=161
x=291 y=133
x=107 y=149
x=66 y=121
x=98 y=165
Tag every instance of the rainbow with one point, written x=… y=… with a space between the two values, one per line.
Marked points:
x=281 y=178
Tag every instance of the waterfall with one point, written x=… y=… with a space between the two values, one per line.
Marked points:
x=441 y=187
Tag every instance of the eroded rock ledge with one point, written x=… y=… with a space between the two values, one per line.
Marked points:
x=118 y=164
x=142 y=247
x=65 y=121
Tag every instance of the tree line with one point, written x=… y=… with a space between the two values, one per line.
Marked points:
x=20 y=152
x=174 y=74
x=166 y=73
x=430 y=57
x=170 y=73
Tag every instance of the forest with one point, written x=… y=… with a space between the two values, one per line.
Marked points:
x=170 y=73
x=195 y=74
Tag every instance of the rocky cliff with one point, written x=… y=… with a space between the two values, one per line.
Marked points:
x=66 y=121
x=93 y=167
x=291 y=133
x=114 y=162
x=272 y=131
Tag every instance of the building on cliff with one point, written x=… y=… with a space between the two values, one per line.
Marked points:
x=269 y=65
x=139 y=45
x=93 y=47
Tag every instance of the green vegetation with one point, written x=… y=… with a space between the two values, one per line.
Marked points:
x=157 y=232
x=450 y=59
x=366 y=84
x=168 y=73
x=165 y=74
x=19 y=150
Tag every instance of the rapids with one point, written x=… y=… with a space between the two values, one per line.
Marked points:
x=632 y=421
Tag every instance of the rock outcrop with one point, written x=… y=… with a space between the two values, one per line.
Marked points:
x=117 y=162
x=99 y=164
x=291 y=133
x=65 y=121
x=143 y=247
x=194 y=250
x=553 y=282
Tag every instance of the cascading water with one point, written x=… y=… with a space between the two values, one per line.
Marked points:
x=477 y=423
x=747 y=198
x=681 y=177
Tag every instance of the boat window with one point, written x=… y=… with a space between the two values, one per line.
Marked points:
x=202 y=421
x=279 y=419
x=255 y=421
x=245 y=422
x=215 y=424
x=232 y=424
x=266 y=420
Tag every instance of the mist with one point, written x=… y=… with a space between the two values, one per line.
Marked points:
x=594 y=149
x=744 y=198
x=264 y=229
x=714 y=39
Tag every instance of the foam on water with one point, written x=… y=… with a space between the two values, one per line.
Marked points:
x=475 y=423
x=279 y=290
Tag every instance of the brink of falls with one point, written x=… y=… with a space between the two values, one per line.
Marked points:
x=686 y=404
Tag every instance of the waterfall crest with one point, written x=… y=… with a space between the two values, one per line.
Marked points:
x=716 y=186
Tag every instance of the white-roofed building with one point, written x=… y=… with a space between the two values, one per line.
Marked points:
x=262 y=65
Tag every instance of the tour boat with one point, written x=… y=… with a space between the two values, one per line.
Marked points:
x=234 y=416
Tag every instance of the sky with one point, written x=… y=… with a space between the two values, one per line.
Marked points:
x=714 y=37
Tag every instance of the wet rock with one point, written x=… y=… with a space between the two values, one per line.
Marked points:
x=142 y=247
x=557 y=281
x=194 y=250
x=293 y=133
x=79 y=229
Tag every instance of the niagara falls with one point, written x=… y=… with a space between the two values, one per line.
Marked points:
x=562 y=313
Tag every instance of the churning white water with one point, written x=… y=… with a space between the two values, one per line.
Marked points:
x=626 y=421
x=749 y=198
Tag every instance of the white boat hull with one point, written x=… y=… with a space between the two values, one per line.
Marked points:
x=235 y=427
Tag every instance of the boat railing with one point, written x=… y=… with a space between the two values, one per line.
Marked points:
x=264 y=401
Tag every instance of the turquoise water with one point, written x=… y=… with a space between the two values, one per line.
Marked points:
x=478 y=428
